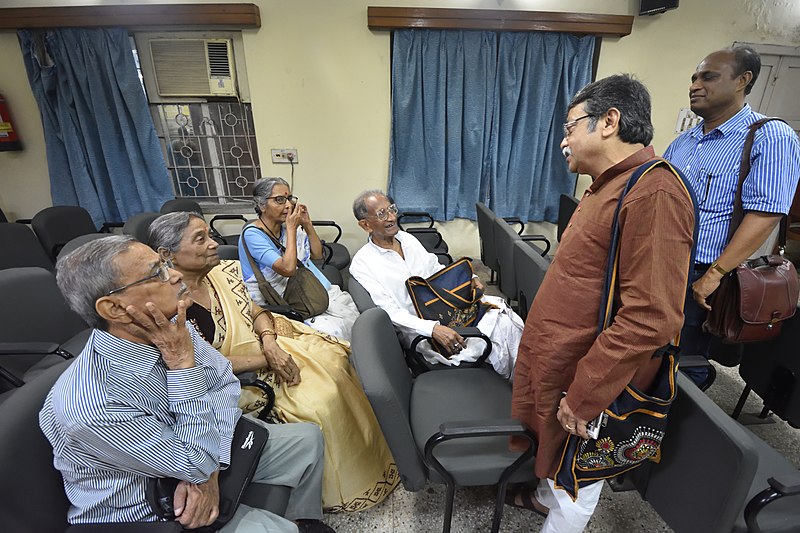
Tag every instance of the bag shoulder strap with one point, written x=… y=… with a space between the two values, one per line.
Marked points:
x=612 y=265
x=262 y=281
x=744 y=171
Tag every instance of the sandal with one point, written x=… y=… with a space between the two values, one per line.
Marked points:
x=527 y=497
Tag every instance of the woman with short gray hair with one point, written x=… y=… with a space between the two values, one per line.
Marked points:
x=280 y=240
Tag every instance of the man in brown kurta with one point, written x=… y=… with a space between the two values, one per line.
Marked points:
x=606 y=136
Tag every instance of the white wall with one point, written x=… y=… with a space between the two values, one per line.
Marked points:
x=319 y=80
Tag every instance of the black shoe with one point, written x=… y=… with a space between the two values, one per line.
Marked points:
x=313 y=526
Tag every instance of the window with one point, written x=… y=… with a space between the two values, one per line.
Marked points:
x=205 y=128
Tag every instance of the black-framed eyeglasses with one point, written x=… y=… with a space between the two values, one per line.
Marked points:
x=569 y=126
x=162 y=273
x=383 y=214
x=280 y=200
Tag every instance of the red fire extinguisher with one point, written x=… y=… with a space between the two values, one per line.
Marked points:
x=8 y=137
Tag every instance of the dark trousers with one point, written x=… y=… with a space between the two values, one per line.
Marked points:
x=694 y=341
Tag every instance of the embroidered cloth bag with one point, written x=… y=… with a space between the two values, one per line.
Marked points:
x=633 y=425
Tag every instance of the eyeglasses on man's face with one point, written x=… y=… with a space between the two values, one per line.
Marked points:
x=280 y=200
x=162 y=273
x=383 y=214
x=569 y=126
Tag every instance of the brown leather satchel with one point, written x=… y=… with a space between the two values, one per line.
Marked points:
x=753 y=300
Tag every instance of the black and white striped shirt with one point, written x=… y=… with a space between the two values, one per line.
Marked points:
x=118 y=416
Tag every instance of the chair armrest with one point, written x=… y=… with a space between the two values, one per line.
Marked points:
x=787 y=484
x=27 y=221
x=479 y=428
x=284 y=310
x=420 y=362
x=329 y=223
x=106 y=227
x=538 y=238
x=693 y=361
x=515 y=220
x=250 y=379
x=414 y=214
x=33 y=348
x=130 y=527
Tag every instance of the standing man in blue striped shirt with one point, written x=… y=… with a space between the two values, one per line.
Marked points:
x=148 y=397
x=709 y=155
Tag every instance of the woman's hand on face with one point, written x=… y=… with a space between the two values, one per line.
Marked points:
x=280 y=362
x=294 y=218
x=305 y=218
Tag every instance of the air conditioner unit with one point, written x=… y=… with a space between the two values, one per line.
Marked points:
x=193 y=67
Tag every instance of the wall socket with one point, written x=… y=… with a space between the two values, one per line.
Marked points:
x=284 y=155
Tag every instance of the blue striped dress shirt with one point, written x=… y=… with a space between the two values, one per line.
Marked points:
x=118 y=416
x=711 y=163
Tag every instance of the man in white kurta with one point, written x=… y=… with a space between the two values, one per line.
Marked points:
x=390 y=257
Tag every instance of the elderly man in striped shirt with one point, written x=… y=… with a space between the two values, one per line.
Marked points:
x=709 y=156
x=148 y=397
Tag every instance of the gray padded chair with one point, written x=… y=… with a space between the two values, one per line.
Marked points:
x=56 y=226
x=505 y=237
x=77 y=242
x=714 y=474
x=21 y=248
x=486 y=233
x=139 y=226
x=360 y=295
x=39 y=329
x=529 y=269
x=449 y=428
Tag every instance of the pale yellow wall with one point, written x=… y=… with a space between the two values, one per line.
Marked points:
x=319 y=81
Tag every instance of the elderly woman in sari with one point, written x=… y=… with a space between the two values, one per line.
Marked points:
x=309 y=370
x=282 y=237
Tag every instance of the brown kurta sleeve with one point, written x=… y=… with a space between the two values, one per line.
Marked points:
x=656 y=223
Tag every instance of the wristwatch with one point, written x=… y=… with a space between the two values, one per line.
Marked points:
x=715 y=266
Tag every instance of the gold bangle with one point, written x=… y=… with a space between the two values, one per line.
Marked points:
x=267 y=332
x=715 y=266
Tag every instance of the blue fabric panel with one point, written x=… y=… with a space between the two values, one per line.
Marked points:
x=102 y=149
x=538 y=74
x=476 y=116
x=443 y=91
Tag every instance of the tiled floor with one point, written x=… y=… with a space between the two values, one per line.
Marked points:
x=625 y=512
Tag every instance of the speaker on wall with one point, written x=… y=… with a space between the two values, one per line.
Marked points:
x=654 y=7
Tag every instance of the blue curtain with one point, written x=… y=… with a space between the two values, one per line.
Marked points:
x=443 y=85
x=511 y=99
x=102 y=149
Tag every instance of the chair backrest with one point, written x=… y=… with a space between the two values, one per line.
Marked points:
x=21 y=248
x=529 y=269
x=505 y=237
x=707 y=466
x=32 y=492
x=486 y=233
x=77 y=242
x=56 y=226
x=33 y=308
x=228 y=251
x=381 y=366
x=139 y=226
x=772 y=370
x=360 y=295
x=181 y=204
x=566 y=206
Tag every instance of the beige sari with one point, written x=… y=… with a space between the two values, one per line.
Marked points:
x=359 y=468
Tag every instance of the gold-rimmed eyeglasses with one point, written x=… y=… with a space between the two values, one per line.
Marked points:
x=162 y=273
